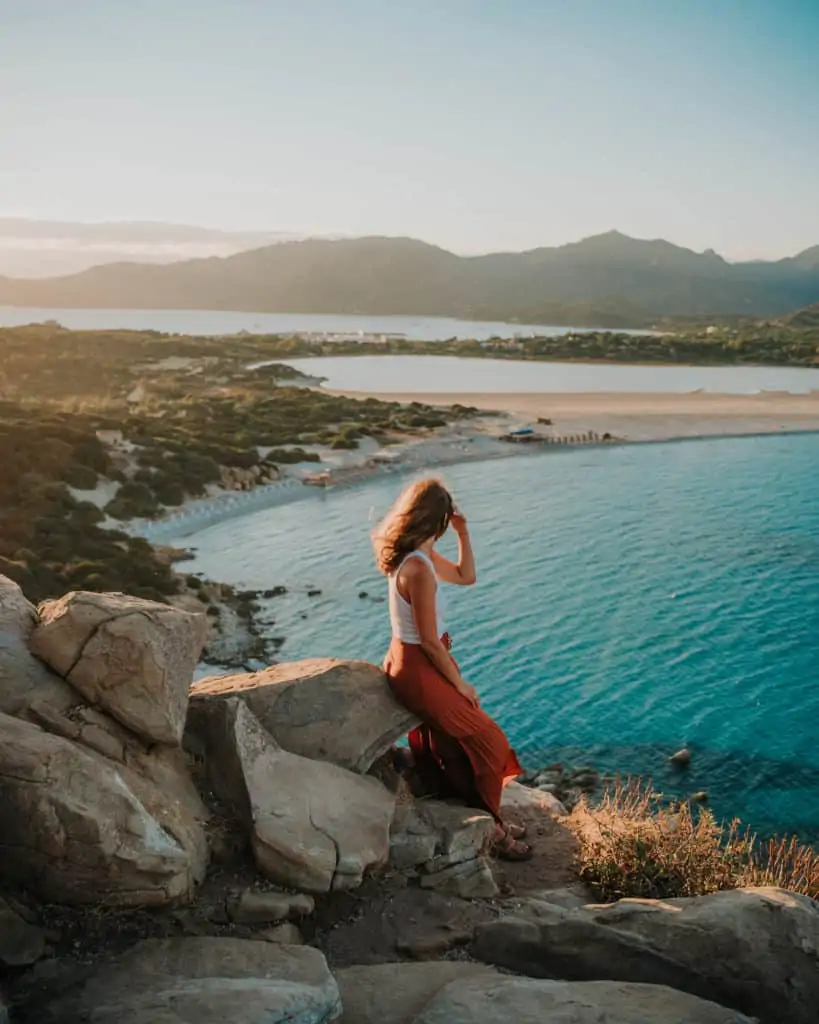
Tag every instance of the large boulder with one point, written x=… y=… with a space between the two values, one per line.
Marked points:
x=322 y=708
x=756 y=950
x=314 y=826
x=23 y=678
x=21 y=943
x=207 y=980
x=524 y=1001
x=133 y=658
x=75 y=831
x=396 y=993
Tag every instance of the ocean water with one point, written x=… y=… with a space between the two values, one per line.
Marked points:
x=207 y=321
x=448 y=374
x=630 y=601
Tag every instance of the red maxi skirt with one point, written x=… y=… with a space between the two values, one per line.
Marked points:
x=457 y=746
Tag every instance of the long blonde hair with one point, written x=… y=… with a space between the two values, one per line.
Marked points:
x=423 y=511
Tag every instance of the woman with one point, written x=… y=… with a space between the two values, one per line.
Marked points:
x=457 y=744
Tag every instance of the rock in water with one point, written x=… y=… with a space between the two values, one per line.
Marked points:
x=315 y=826
x=524 y=1001
x=321 y=708
x=682 y=758
x=75 y=832
x=133 y=658
x=207 y=980
x=756 y=950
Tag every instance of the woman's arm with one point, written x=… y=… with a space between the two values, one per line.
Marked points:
x=463 y=574
x=420 y=585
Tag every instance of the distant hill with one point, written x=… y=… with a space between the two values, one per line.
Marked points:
x=606 y=280
x=43 y=248
x=808 y=317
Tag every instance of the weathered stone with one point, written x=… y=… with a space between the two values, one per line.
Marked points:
x=412 y=839
x=433 y=946
x=255 y=907
x=287 y=934
x=73 y=829
x=23 y=678
x=438 y=834
x=499 y=1000
x=21 y=943
x=324 y=709
x=396 y=993
x=207 y=980
x=314 y=825
x=132 y=658
x=469 y=879
x=516 y=797
x=682 y=758
x=756 y=950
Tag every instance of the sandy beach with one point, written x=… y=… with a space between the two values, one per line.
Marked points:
x=628 y=418
x=640 y=416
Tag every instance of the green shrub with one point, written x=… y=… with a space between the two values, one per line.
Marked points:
x=83 y=478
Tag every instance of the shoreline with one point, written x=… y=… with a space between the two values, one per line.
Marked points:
x=628 y=418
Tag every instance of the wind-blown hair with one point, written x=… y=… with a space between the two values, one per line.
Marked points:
x=423 y=511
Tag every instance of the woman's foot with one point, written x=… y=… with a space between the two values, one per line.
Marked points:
x=506 y=847
x=516 y=831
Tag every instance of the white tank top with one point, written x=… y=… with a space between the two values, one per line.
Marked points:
x=401 y=616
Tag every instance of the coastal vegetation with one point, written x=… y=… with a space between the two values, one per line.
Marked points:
x=607 y=280
x=790 y=342
x=146 y=422
x=632 y=844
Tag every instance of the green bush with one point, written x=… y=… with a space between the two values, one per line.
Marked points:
x=83 y=478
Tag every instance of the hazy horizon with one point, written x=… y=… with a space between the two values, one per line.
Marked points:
x=476 y=126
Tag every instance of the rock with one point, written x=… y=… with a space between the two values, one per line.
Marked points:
x=254 y=907
x=315 y=826
x=413 y=841
x=74 y=830
x=499 y=1000
x=469 y=879
x=397 y=993
x=432 y=947
x=521 y=798
x=322 y=708
x=756 y=950
x=23 y=678
x=701 y=797
x=207 y=980
x=287 y=934
x=21 y=943
x=682 y=758
x=132 y=658
x=438 y=835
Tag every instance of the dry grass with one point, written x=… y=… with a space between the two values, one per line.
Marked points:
x=633 y=846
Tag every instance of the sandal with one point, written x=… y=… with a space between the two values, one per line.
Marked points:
x=509 y=848
x=516 y=831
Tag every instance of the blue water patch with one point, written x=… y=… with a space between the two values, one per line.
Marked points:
x=630 y=601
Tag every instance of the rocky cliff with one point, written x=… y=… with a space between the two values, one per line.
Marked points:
x=171 y=853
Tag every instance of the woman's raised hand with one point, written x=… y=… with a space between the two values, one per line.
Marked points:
x=458 y=521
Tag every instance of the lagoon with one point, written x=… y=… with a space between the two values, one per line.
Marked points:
x=630 y=601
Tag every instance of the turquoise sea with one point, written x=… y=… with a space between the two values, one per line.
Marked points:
x=629 y=601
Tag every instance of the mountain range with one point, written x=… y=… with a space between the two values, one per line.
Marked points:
x=43 y=248
x=607 y=280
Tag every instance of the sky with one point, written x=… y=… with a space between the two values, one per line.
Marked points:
x=471 y=124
